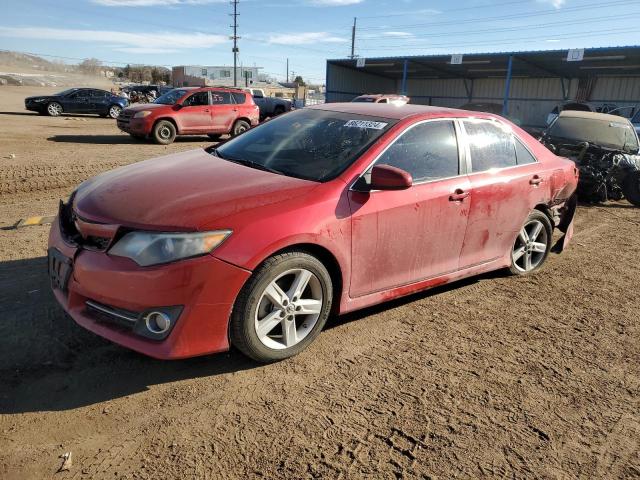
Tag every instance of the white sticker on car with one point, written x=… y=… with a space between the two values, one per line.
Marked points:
x=366 y=124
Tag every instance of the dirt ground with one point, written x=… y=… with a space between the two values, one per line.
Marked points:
x=493 y=377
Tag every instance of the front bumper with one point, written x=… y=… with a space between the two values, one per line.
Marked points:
x=135 y=126
x=205 y=287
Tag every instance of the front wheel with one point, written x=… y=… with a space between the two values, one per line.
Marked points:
x=239 y=127
x=631 y=188
x=54 y=109
x=282 y=308
x=532 y=245
x=164 y=132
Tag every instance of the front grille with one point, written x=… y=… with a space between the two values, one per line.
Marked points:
x=113 y=315
x=70 y=233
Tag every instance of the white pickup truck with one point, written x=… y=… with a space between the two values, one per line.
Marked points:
x=269 y=106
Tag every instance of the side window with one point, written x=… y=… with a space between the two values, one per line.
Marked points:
x=428 y=151
x=80 y=94
x=200 y=98
x=383 y=100
x=220 y=98
x=523 y=155
x=239 y=97
x=490 y=146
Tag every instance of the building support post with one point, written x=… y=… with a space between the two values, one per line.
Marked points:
x=403 y=89
x=507 y=88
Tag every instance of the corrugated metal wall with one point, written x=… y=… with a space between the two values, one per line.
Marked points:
x=530 y=100
x=343 y=84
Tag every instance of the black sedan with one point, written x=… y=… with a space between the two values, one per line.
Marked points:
x=78 y=100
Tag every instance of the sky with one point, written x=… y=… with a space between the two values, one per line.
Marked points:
x=307 y=32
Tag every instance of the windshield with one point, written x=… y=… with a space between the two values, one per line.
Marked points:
x=618 y=135
x=364 y=99
x=171 y=97
x=67 y=92
x=311 y=144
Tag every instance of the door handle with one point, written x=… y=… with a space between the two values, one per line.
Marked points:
x=207 y=111
x=535 y=180
x=458 y=196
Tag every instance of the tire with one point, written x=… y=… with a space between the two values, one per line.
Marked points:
x=285 y=333
x=239 y=127
x=214 y=136
x=164 y=132
x=631 y=188
x=54 y=109
x=532 y=245
x=114 y=111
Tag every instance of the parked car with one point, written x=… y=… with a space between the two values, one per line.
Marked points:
x=145 y=93
x=579 y=107
x=269 y=106
x=382 y=98
x=606 y=151
x=636 y=122
x=191 y=111
x=77 y=100
x=330 y=208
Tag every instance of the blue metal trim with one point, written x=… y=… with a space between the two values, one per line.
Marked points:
x=404 y=77
x=507 y=88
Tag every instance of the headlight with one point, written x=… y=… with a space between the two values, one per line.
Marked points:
x=142 y=114
x=149 y=248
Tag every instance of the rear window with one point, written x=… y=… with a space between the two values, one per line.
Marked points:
x=239 y=97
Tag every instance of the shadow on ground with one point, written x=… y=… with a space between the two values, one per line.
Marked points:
x=119 y=139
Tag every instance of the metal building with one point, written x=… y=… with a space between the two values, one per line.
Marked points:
x=526 y=85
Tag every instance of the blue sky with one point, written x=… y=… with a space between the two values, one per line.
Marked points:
x=178 y=32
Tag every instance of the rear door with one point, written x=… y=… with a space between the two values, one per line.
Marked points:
x=223 y=111
x=195 y=114
x=401 y=237
x=506 y=183
x=99 y=101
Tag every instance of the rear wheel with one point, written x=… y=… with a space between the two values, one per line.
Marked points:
x=54 y=109
x=164 y=132
x=239 y=127
x=282 y=308
x=532 y=245
x=114 y=111
x=631 y=188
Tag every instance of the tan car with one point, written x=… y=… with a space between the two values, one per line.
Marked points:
x=382 y=98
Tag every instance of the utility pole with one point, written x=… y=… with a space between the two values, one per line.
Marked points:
x=287 y=70
x=353 y=38
x=235 y=38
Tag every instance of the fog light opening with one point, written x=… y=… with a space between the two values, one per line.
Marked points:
x=157 y=322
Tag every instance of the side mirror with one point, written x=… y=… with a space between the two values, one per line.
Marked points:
x=178 y=106
x=386 y=177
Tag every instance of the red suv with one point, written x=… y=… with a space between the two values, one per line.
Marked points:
x=191 y=111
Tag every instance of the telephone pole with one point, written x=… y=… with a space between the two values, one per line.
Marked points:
x=353 y=38
x=287 y=70
x=235 y=38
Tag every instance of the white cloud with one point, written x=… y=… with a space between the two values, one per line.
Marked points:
x=153 y=3
x=398 y=34
x=303 y=38
x=334 y=3
x=156 y=42
x=555 y=3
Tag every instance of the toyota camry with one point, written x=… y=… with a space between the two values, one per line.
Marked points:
x=325 y=210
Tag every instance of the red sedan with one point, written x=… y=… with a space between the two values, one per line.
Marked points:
x=325 y=209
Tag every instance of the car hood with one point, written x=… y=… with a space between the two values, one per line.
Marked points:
x=183 y=191
x=149 y=106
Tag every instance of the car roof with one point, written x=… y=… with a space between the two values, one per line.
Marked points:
x=204 y=89
x=396 y=112
x=603 y=117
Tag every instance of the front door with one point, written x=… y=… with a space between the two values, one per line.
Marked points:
x=402 y=237
x=195 y=115
x=505 y=184
x=77 y=102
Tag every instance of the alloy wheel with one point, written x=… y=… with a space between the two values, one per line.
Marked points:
x=530 y=248
x=54 y=109
x=288 y=309
x=164 y=132
x=114 y=112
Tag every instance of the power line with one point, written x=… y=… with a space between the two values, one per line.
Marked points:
x=564 y=23
x=507 y=17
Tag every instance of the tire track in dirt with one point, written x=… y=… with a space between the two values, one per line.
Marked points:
x=37 y=178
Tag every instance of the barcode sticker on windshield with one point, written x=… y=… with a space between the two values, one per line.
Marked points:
x=366 y=124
